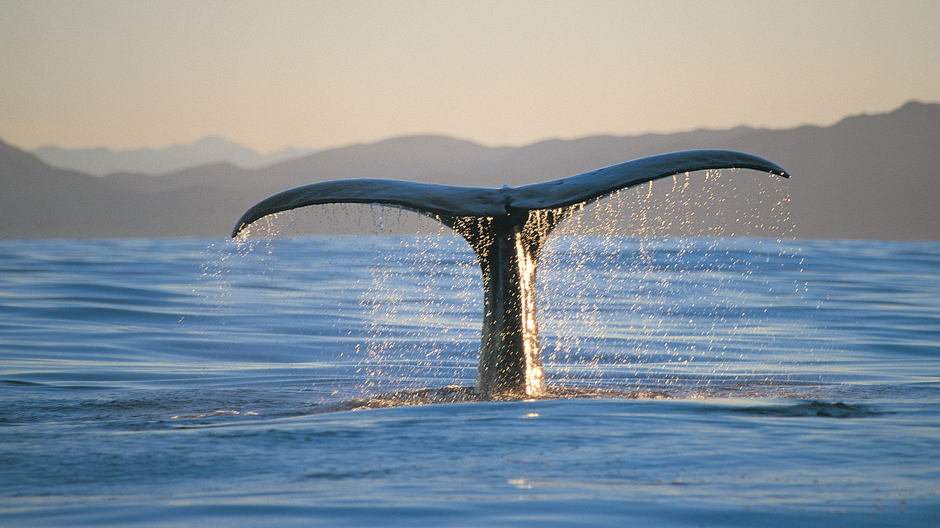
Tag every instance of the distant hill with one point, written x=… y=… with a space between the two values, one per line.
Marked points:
x=868 y=176
x=209 y=150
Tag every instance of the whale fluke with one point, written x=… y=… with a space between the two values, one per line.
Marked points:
x=480 y=202
x=506 y=228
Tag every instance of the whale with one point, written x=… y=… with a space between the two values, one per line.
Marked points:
x=507 y=228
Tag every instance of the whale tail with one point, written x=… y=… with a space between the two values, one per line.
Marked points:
x=506 y=228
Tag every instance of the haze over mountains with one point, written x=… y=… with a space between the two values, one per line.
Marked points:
x=103 y=161
x=868 y=176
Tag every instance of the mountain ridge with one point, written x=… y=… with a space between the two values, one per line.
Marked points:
x=102 y=161
x=866 y=176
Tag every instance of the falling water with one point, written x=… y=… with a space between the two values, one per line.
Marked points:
x=669 y=277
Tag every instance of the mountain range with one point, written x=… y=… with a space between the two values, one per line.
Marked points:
x=867 y=176
x=103 y=161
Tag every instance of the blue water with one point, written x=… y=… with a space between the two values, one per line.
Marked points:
x=727 y=382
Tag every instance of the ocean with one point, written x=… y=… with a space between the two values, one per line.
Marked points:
x=324 y=381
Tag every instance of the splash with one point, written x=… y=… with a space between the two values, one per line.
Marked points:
x=460 y=394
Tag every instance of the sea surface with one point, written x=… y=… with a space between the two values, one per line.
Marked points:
x=325 y=381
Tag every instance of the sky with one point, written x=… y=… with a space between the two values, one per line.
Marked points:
x=320 y=74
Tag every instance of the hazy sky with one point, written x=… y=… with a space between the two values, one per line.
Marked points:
x=127 y=74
